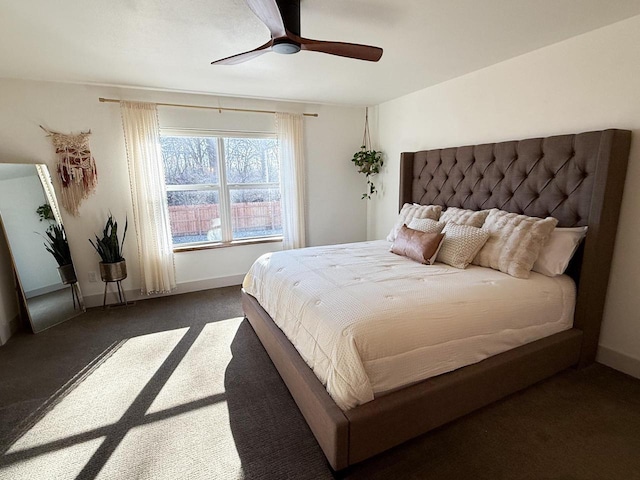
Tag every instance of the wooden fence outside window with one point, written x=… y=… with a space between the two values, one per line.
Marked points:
x=199 y=219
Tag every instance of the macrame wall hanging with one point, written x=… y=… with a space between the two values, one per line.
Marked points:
x=75 y=168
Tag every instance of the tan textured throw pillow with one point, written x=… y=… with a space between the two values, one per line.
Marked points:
x=473 y=218
x=409 y=212
x=514 y=243
x=419 y=246
x=461 y=244
x=426 y=225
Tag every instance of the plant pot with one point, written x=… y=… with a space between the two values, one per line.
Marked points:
x=113 y=272
x=366 y=169
x=67 y=274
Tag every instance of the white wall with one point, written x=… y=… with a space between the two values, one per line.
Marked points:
x=589 y=82
x=335 y=212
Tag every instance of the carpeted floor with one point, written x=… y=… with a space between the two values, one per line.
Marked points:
x=180 y=387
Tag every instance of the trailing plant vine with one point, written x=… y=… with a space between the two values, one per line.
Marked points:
x=367 y=160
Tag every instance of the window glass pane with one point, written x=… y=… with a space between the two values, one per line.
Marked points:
x=255 y=212
x=190 y=160
x=251 y=160
x=194 y=216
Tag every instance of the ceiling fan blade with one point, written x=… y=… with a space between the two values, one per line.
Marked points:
x=350 y=50
x=269 y=13
x=243 y=57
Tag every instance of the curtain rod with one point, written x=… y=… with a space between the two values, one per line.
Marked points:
x=114 y=100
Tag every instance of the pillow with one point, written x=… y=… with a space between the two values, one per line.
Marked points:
x=461 y=216
x=419 y=246
x=409 y=212
x=559 y=250
x=515 y=242
x=426 y=225
x=461 y=244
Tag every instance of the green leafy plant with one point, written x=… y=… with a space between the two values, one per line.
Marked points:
x=109 y=246
x=57 y=244
x=368 y=162
x=45 y=212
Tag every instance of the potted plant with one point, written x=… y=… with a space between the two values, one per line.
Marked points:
x=113 y=267
x=367 y=160
x=58 y=246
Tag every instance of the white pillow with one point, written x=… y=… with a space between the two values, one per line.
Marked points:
x=409 y=212
x=460 y=245
x=426 y=225
x=559 y=250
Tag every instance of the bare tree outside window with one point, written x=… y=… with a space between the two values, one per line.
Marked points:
x=190 y=160
x=251 y=160
x=194 y=187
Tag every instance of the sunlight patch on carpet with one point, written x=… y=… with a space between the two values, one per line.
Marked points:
x=104 y=396
x=190 y=445
x=63 y=464
x=201 y=372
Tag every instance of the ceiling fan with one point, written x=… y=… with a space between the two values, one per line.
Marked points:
x=282 y=18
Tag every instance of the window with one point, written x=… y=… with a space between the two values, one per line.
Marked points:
x=221 y=188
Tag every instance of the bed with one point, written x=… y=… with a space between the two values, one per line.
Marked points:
x=368 y=321
x=578 y=179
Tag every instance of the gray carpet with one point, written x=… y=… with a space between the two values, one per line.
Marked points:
x=51 y=308
x=180 y=387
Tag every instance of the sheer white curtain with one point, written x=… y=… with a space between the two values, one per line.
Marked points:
x=289 y=127
x=150 y=209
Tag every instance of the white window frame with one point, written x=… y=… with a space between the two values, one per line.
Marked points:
x=223 y=188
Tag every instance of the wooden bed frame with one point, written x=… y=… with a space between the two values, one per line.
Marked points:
x=576 y=178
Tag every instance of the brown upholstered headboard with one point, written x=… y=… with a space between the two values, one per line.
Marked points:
x=577 y=179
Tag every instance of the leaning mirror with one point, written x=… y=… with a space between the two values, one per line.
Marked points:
x=39 y=249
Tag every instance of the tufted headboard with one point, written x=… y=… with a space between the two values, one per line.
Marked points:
x=577 y=179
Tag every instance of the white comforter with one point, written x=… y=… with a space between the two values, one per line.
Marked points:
x=368 y=321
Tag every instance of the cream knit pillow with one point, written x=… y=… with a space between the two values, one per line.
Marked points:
x=426 y=225
x=409 y=212
x=473 y=218
x=514 y=243
x=460 y=245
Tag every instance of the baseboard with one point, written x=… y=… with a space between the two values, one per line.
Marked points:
x=619 y=361
x=44 y=290
x=186 y=287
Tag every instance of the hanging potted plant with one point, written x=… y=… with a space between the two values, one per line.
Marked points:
x=45 y=212
x=113 y=267
x=58 y=246
x=367 y=160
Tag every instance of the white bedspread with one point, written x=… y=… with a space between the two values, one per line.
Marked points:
x=368 y=321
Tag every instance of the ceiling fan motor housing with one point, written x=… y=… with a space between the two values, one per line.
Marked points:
x=285 y=46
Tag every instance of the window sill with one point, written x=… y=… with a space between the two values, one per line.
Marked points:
x=233 y=243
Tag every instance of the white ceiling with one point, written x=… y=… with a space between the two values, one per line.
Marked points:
x=169 y=44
